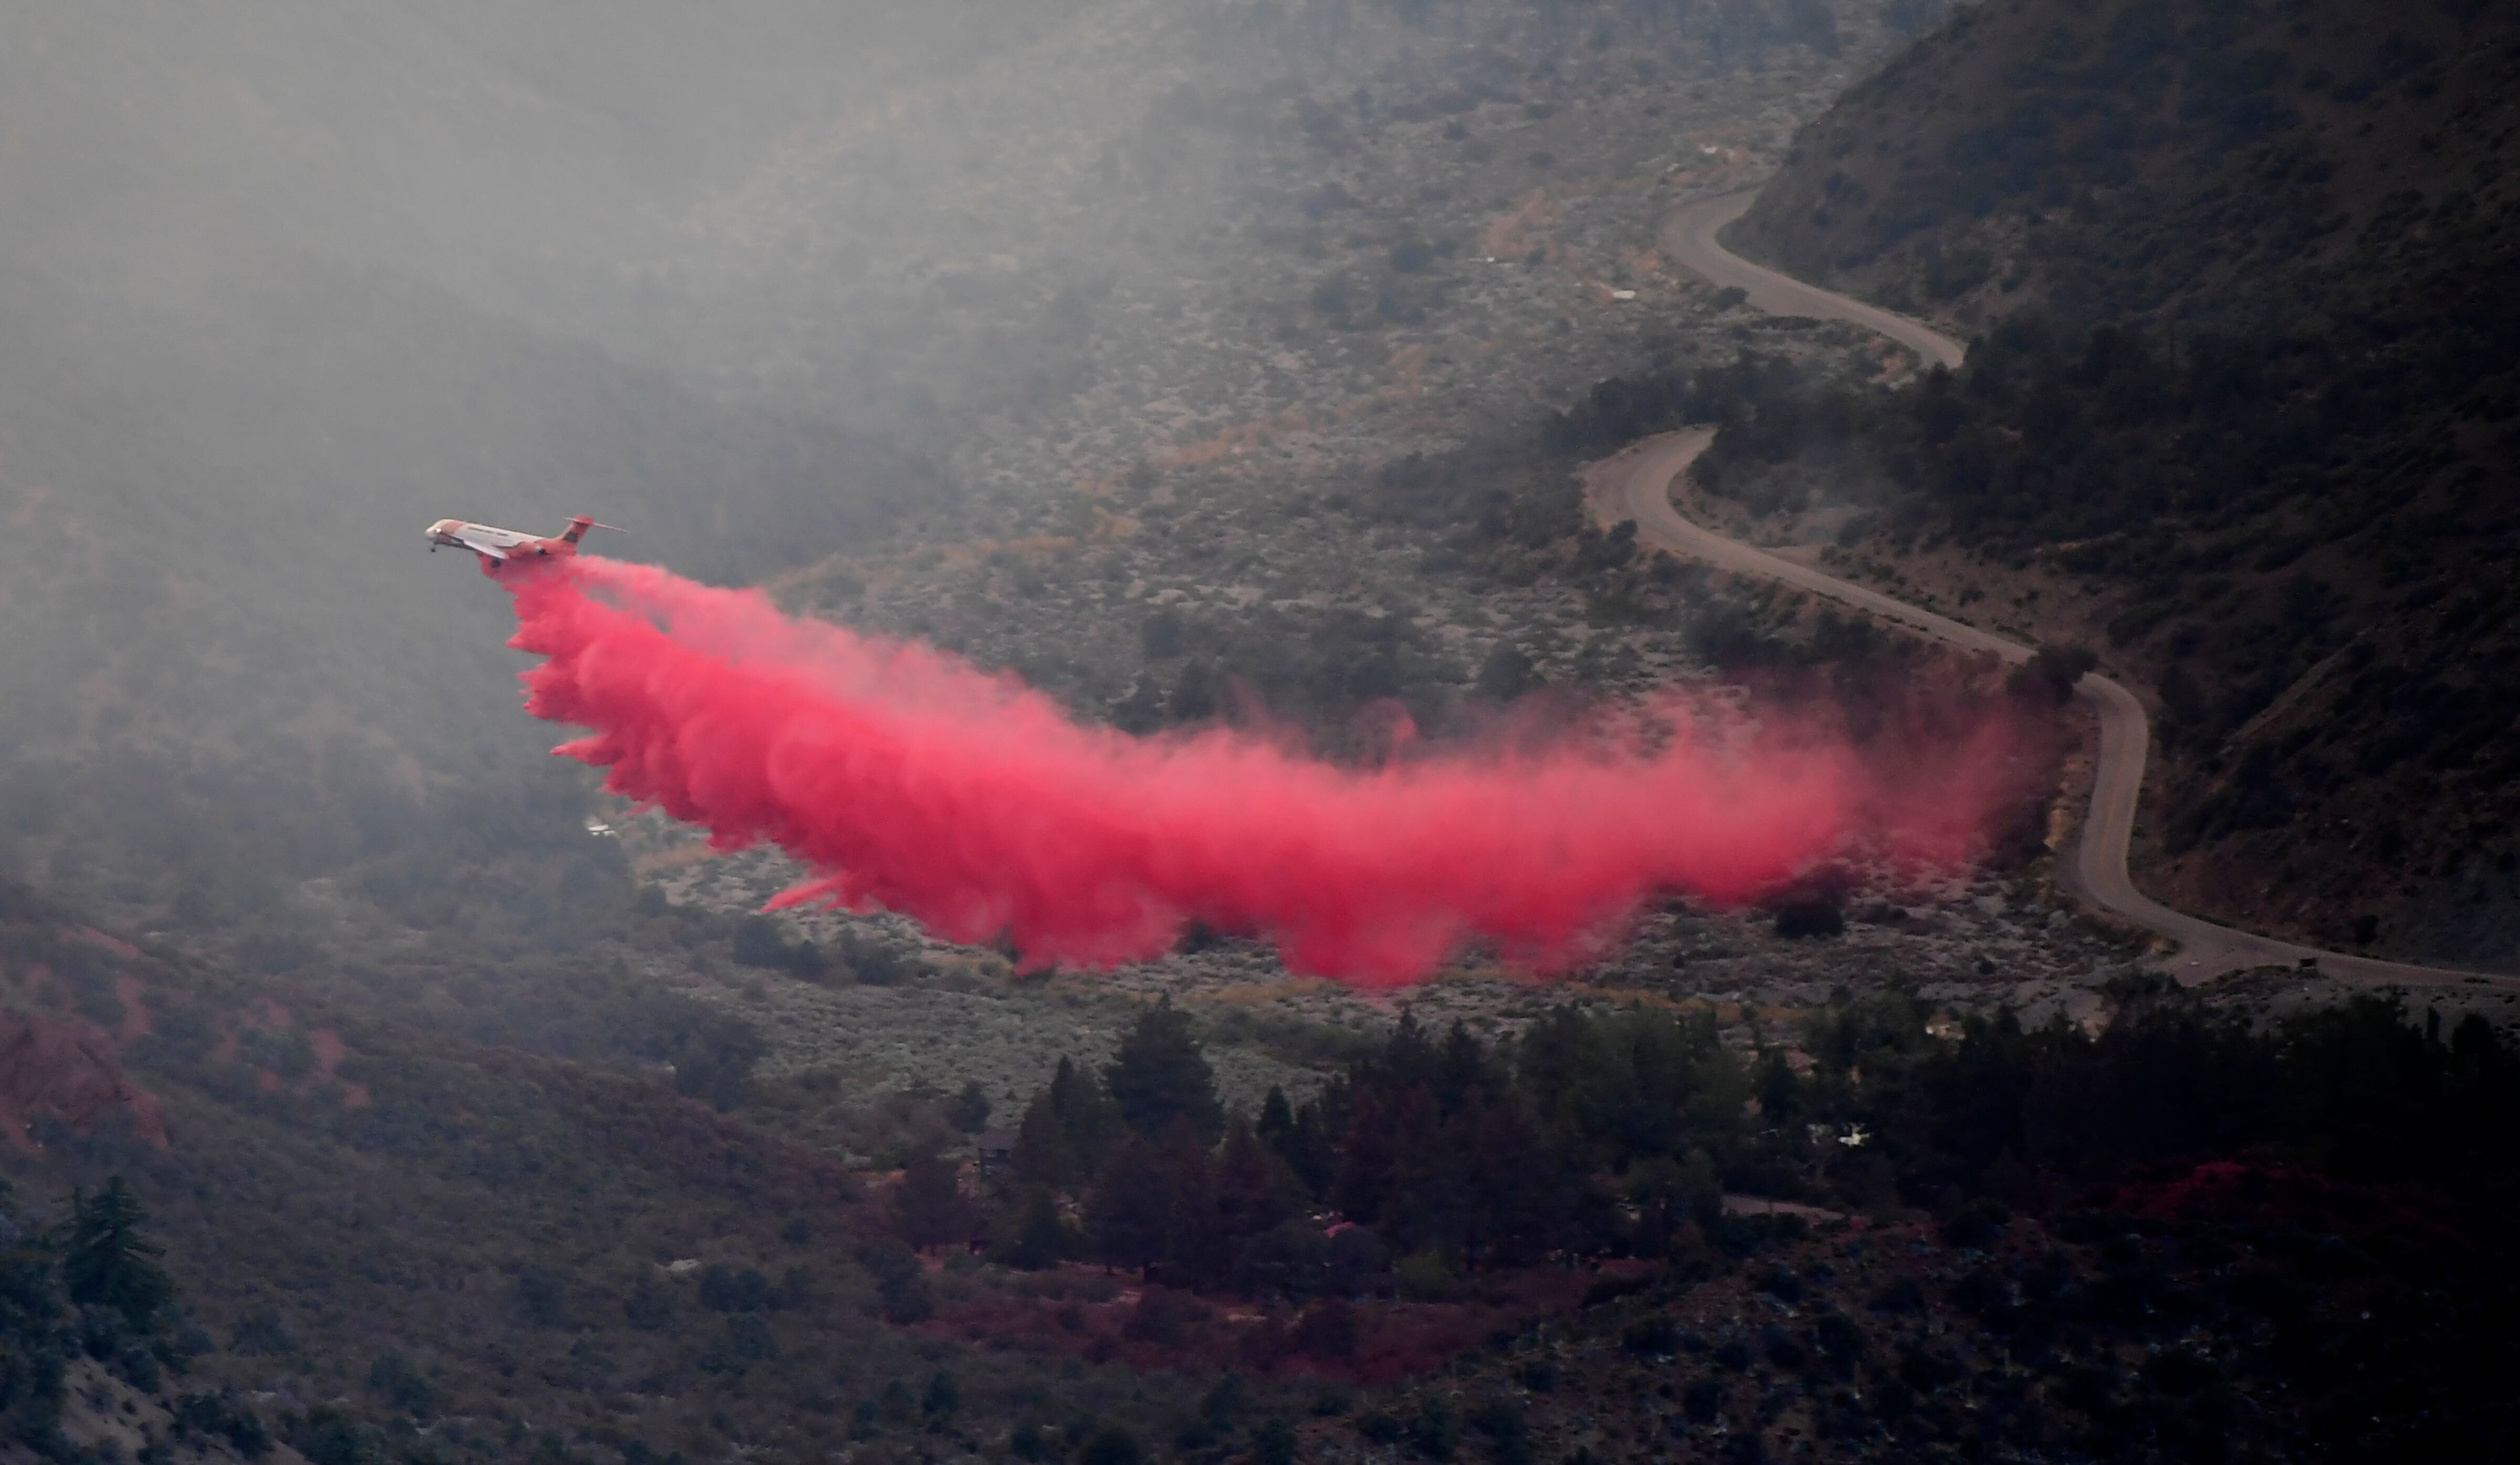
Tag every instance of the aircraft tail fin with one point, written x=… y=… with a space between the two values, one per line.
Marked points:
x=578 y=527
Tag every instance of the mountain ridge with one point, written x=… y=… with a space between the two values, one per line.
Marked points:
x=2252 y=411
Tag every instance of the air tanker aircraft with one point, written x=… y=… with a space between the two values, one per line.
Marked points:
x=497 y=546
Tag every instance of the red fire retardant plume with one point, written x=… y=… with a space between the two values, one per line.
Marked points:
x=910 y=781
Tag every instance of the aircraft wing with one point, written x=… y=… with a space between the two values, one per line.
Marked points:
x=472 y=538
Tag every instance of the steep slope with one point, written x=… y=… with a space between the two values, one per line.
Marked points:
x=2245 y=385
x=2140 y=161
x=468 y=1251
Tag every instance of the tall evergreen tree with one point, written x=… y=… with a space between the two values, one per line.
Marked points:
x=1367 y=1162
x=970 y=1112
x=931 y=1210
x=1254 y=1189
x=105 y=1260
x=1125 y=1214
x=1043 y=1157
x=1160 y=1075
x=1276 y=1120
x=1423 y=1203
x=1041 y=1238
x=1198 y=1251
x=1086 y=1116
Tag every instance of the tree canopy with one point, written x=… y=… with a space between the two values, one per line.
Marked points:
x=1160 y=1075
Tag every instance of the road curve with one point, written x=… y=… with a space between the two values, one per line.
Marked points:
x=1638 y=483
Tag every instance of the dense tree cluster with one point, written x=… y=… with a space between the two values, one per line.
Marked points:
x=1617 y=1134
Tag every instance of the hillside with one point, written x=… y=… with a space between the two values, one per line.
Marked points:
x=304 y=278
x=384 y=1245
x=1185 y=357
x=2143 y=161
x=451 y=1251
x=2243 y=392
x=996 y=355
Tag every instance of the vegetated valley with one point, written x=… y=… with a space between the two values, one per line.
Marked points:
x=378 y=1091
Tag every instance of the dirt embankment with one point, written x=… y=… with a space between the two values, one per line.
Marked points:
x=72 y=1072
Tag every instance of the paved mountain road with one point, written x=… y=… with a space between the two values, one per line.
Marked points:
x=1638 y=483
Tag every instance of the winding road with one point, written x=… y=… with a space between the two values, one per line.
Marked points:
x=1638 y=483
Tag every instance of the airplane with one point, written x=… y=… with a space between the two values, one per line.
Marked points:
x=497 y=546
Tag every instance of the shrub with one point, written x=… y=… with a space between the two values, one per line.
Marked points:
x=1113 y=1446
x=1611 y=1289
x=394 y=1378
x=1652 y=1337
x=226 y=1417
x=723 y=1289
x=1164 y=1316
x=541 y=1297
x=330 y=1436
x=1328 y=1330
x=1926 y=1369
x=1810 y=917
x=263 y=1332
x=1437 y=1432
x=1508 y=1433
x=2050 y=675
x=1413 y=257
x=1784 y=1349
x=1276 y=1444
x=650 y=1306
x=1426 y=1277
x=907 y=1299
x=1839 y=1337
x=1976 y=1225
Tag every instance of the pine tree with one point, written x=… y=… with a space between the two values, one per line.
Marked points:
x=1125 y=1212
x=1196 y=1249
x=1043 y=1157
x=1366 y=1163
x=1160 y=1075
x=931 y=1210
x=1296 y=1136
x=1277 y=1121
x=1040 y=1239
x=1086 y=1116
x=106 y=1260
x=1254 y=1189
x=1462 y=1074
x=971 y=1109
x=1423 y=1204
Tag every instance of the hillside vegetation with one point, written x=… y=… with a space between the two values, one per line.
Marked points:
x=282 y=1228
x=2244 y=368
x=387 y=1245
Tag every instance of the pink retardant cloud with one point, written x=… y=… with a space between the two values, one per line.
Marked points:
x=907 y=780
